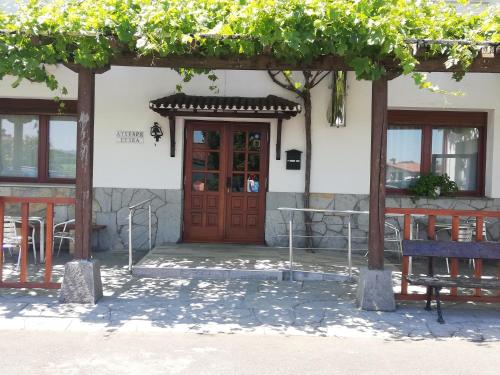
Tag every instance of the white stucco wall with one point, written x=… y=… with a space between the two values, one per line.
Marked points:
x=340 y=156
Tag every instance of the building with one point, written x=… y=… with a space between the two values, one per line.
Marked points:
x=200 y=187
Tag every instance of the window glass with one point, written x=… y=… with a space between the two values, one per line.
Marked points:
x=62 y=147
x=455 y=153
x=19 y=146
x=206 y=139
x=403 y=156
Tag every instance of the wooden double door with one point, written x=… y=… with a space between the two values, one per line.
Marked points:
x=225 y=181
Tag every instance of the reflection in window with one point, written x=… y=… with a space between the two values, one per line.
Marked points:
x=253 y=184
x=198 y=181
x=238 y=161
x=212 y=181
x=19 y=146
x=403 y=156
x=62 y=147
x=209 y=138
x=253 y=162
x=213 y=161
x=455 y=153
x=198 y=161
x=237 y=183
x=239 y=140
x=254 y=141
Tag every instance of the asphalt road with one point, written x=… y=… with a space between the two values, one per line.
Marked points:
x=23 y=352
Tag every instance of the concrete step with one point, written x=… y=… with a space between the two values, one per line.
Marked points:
x=233 y=274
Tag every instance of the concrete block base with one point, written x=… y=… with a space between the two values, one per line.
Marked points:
x=82 y=282
x=375 y=290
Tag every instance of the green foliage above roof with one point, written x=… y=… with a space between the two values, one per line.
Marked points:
x=363 y=32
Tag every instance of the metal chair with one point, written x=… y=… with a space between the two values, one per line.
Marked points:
x=63 y=234
x=12 y=239
x=394 y=236
x=472 y=222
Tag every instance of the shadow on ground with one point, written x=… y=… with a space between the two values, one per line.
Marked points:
x=322 y=308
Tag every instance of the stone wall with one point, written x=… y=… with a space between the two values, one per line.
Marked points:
x=110 y=208
x=331 y=231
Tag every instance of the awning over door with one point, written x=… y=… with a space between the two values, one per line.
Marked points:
x=181 y=104
x=270 y=106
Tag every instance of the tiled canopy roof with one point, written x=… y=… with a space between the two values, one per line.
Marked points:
x=188 y=103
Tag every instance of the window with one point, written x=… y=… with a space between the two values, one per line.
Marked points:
x=442 y=142
x=39 y=146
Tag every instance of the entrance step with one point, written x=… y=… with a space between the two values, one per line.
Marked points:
x=234 y=274
x=206 y=273
x=242 y=262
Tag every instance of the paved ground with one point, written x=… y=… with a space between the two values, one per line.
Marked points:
x=71 y=353
x=249 y=257
x=254 y=307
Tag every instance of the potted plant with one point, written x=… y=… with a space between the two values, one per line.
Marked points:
x=432 y=186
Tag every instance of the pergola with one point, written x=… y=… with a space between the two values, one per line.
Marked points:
x=86 y=87
x=85 y=110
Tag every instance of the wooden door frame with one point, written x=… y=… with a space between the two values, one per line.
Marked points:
x=267 y=127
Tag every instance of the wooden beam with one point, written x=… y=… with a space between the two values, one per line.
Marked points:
x=234 y=114
x=435 y=64
x=84 y=164
x=278 y=139
x=377 y=174
x=171 y=124
x=76 y=68
x=259 y=62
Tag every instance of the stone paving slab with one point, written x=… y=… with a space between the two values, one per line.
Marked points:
x=247 y=307
x=312 y=308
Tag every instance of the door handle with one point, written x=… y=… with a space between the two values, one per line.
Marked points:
x=228 y=184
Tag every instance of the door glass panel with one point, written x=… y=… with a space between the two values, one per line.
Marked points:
x=239 y=140
x=404 y=148
x=253 y=183
x=213 y=161
x=199 y=160
x=455 y=153
x=199 y=137
x=212 y=182
x=254 y=162
x=207 y=139
x=198 y=181
x=237 y=183
x=254 y=139
x=238 y=161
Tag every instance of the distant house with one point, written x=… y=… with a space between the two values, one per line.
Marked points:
x=401 y=174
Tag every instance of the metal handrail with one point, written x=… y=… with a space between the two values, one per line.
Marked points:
x=345 y=213
x=131 y=213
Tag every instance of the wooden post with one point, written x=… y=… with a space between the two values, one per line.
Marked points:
x=84 y=163
x=377 y=175
x=278 y=138
x=171 y=124
x=49 y=242
x=1 y=238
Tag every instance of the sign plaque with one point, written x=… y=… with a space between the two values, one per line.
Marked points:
x=129 y=136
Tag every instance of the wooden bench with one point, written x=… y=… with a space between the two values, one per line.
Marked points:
x=454 y=250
